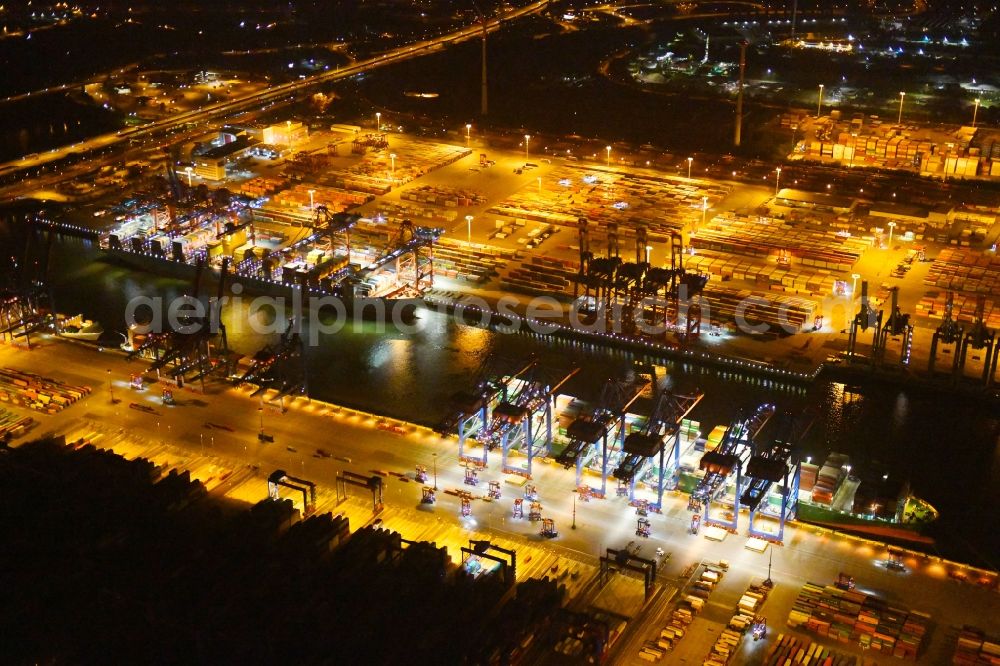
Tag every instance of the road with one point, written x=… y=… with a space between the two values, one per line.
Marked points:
x=273 y=94
x=809 y=554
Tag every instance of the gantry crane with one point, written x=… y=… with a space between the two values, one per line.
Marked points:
x=867 y=317
x=279 y=478
x=336 y=227
x=662 y=426
x=980 y=337
x=948 y=332
x=775 y=467
x=28 y=293
x=898 y=324
x=471 y=411
x=411 y=253
x=728 y=461
x=513 y=424
x=281 y=366
x=661 y=297
x=606 y=421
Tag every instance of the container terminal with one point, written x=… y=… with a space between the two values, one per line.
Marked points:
x=637 y=441
x=618 y=602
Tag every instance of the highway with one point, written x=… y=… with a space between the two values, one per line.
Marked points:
x=356 y=442
x=274 y=94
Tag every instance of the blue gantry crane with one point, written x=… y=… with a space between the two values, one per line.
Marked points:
x=775 y=468
x=727 y=461
x=513 y=426
x=603 y=424
x=641 y=447
x=472 y=410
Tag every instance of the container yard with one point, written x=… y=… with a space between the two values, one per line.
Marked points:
x=963 y=152
x=806 y=242
x=849 y=616
x=48 y=396
x=661 y=204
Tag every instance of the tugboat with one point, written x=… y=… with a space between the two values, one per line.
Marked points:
x=78 y=328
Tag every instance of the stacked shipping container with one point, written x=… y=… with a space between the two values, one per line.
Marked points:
x=855 y=617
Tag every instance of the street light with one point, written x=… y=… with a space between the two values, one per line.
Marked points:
x=777 y=180
x=690 y=160
x=468 y=134
x=573 y=526
x=899 y=120
x=189 y=171
x=819 y=105
x=892 y=225
x=527 y=139
x=608 y=148
x=435 y=471
x=111 y=388
x=468 y=222
x=312 y=203
x=649 y=248
x=378 y=121
x=975 y=110
x=854 y=285
x=392 y=160
x=704 y=209
x=770 y=554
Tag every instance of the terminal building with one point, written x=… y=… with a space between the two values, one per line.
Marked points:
x=819 y=201
x=210 y=161
x=289 y=133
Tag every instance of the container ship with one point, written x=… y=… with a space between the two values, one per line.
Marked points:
x=275 y=259
x=833 y=495
x=836 y=495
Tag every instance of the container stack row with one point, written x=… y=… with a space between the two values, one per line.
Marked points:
x=543 y=275
x=39 y=393
x=933 y=304
x=394 y=213
x=728 y=643
x=961 y=269
x=777 y=311
x=336 y=200
x=444 y=196
x=849 y=616
x=460 y=262
x=899 y=147
x=975 y=648
x=13 y=425
x=262 y=187
x=789 y=650
x=766 y=274
x=806 y=243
